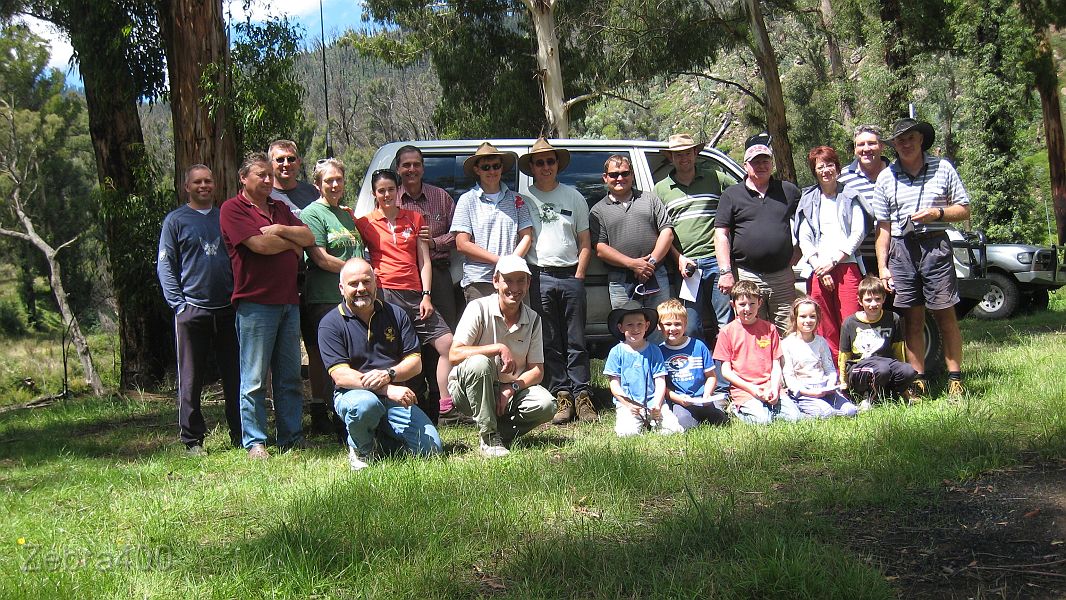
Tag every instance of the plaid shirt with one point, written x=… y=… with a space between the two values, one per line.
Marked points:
x=437 y=208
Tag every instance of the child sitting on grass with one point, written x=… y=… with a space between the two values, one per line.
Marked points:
x=873 y=358
x=809 y=372
x=750 y=351
x=637 y=374
x=690 y=376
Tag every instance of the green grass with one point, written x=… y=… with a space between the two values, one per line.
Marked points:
x=108 y=505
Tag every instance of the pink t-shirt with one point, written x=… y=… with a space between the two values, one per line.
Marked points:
x=750 y=350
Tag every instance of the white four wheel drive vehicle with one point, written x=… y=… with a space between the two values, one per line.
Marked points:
x=1020 y=276
x=444 y=168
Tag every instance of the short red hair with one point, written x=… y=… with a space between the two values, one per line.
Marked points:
x=824 y=154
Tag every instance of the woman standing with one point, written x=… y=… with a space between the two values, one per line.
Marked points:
x=405 y=274
x=336 y=240
x=831 y=222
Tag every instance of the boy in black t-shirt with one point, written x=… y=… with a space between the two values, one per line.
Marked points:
x=872 y=358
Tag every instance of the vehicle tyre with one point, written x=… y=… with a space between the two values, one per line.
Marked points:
x=934 y=346
x=1001 y=300
x=1039 y=300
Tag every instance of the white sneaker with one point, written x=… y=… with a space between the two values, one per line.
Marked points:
x=357 y=462
x=865 y=406
x=494 y=448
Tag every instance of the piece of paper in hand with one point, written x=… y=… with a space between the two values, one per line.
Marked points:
x=690 y=286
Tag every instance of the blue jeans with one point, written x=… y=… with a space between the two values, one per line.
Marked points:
x=366 y=414
x=708 y=295
x=559 y=297
x=269 y=335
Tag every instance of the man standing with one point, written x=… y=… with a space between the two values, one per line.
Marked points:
x=868 y=164
x=691 y=200
x=632 y=234
x=265 y=244
x=490 y=220
x=559 y=258
x=197 y=283
x=753 y=232
x=287 y=163
x=437 y=208
x=498 y=355
x=913 y=201
x=369 y=347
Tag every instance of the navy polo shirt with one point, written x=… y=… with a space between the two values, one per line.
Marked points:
x=344 y=339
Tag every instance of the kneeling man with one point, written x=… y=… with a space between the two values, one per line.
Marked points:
x=499 y=360
x=369 y=348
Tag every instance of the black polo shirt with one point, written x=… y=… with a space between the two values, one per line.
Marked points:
x=344 y=339
x=760 y=231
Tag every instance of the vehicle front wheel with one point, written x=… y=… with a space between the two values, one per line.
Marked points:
x=1001 y=300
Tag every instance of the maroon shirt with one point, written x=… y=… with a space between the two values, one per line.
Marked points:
x=259 y=278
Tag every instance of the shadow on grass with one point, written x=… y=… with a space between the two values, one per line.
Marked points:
x=613 y=520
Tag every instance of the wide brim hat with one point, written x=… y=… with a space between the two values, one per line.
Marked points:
x=682 y=141
x=902 y=126
x=615 y=317
x=541 y=146
x=487 y=149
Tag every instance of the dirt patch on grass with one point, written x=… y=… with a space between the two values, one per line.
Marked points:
x=1000 y=536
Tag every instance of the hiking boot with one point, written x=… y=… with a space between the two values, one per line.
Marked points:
x=258 y=452
x=452 y=416
x=955 y=390
x=565 y=414
x=585 y=410
x=357 y=461
x=920 y=387
x=195 y=450
x=321 y=424
x=492 y=446
x=911 y=396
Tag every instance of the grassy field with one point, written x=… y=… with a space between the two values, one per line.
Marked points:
x=100 y=500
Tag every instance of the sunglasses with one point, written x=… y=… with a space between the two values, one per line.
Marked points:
x=646 y=289
x=490 y=167
x=544 y=162
x=618 y=174
x=285 y=159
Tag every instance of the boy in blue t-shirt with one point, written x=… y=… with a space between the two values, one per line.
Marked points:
x=637 y=374
x=690 y=370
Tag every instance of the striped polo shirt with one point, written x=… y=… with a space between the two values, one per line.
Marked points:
x=692 y=209
x=493 y=225
x=853 y=175
x=898 y=195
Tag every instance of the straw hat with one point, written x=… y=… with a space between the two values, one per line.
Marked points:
x=541 y=146
x=487 y=149
x=682 y=141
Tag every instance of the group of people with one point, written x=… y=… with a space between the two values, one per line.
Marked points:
x=376 y=292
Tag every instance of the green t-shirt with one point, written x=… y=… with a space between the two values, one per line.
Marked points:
x=335 y=231
x=692 y=209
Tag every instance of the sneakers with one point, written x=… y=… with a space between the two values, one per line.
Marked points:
x=258 y=452
x=357 y=461
x=452 y=416
x=492 y=446
x=955 y=390
x=565 y=414
x=585 y=410
x=865 y=405
x=195 y=450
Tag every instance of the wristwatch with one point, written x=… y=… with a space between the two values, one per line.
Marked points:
x=652 y=261
x=426 y=293
x=515 y=386
x=392 y=375
x=941 y=217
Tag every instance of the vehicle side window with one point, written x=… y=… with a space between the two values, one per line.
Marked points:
x=446 y=171
x=585 y=173
x=660 y=167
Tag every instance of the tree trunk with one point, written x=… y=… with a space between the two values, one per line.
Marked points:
x=115 y=128
x=896 y=59
x=775 y=99
x=194 y=36
x=549 y=69
x=836 y=67
x=1047 y=83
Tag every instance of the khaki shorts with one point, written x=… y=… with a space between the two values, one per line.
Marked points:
x=427 y=330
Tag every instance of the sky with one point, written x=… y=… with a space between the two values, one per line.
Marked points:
x=340 y=16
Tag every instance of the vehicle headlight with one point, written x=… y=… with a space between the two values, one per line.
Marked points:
x=1026 y=258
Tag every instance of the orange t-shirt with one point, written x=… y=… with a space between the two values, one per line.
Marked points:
x=749 y=350
x=393 y=248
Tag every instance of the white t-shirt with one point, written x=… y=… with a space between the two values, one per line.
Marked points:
x=558 y=216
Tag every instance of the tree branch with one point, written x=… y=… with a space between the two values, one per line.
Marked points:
x=16 y=234
x=739 y=86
